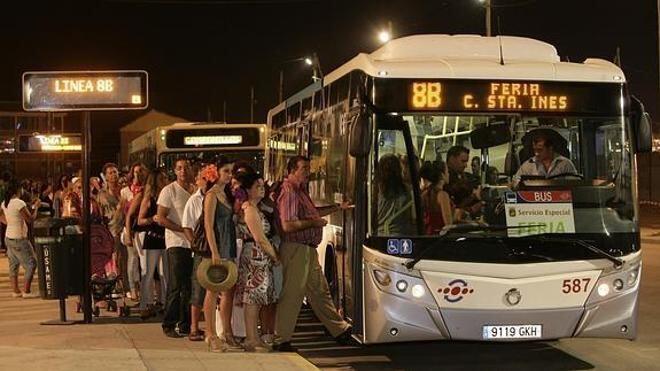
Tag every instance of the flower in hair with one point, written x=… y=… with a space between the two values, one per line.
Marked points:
x=210 y=173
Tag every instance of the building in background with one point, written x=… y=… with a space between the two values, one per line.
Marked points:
x=141 y=125
x=39 y=145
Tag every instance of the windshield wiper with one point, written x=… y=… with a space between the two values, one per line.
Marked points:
x=547 y=238
x=462 y=229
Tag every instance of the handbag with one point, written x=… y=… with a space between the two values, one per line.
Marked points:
x=200 y=245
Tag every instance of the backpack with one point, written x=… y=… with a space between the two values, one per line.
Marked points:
x=200 y=244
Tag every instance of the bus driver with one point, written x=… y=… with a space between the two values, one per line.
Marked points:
x=546 y=161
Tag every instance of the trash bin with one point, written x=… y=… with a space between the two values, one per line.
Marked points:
x=58 y=245
x=73 y=247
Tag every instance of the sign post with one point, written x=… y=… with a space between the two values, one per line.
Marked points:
x=67 y=91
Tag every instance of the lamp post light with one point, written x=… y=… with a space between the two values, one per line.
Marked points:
x=385 y=35
x=309 y=61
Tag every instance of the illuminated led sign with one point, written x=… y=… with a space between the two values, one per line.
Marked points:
x=459 y=95
x=88 y=91
x=50 y=143
x=220 y=136
x=499 y=96
x=212 y=140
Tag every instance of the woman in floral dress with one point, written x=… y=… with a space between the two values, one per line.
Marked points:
x=255 y=287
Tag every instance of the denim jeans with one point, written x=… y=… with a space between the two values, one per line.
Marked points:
x=134 y=260
x=20 y=252
x=153 y=259
x=177 y=309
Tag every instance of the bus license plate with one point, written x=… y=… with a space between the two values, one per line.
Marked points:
x=512 y=332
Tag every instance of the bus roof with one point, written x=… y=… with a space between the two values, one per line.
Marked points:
x=475 y=57
x=467 y=57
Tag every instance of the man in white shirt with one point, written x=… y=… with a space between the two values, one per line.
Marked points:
x=171 y=203
x=546 y=161
x=191 y=214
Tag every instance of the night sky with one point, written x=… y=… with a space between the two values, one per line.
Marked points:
x=201 y=53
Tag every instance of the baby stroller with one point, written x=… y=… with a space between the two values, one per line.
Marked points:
x=104 y=272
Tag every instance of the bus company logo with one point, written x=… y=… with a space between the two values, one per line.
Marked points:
x=456 y=290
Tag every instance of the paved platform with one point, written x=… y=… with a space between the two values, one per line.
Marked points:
x=130 y=344
x=110 y=343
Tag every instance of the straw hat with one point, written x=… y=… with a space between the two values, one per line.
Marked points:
x=217 y=277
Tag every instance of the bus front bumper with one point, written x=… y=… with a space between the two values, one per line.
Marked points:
x=396 y=315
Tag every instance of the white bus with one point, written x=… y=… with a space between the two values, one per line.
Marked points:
x=547 y=258
x=163 y=145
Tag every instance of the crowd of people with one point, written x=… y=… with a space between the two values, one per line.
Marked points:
x=270 y=231
x=449 y=194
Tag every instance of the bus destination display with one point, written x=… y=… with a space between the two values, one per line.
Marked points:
x=458 y=95
x=500 y=96
x=75 y=91
x=50 y=143
x=223 y=136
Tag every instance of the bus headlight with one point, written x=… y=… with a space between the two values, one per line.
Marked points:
x=618 y=284
x=603 y=289
x=404 y=286
x=383 y=278
x=632 y=277
x=418 y=291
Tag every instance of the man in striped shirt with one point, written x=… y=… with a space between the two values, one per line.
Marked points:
x=302 y=225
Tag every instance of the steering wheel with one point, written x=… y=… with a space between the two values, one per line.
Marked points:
x=566 y=174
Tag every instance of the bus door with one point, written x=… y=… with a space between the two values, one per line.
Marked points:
x=401 y=216
x=354 y=223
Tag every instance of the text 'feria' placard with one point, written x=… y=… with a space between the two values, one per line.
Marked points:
x=85 y=90
x=539 y=212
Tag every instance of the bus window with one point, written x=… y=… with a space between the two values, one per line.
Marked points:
x=327 y=155
x=395 y=215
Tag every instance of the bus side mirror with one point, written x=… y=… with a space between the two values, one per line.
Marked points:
x=490 y=136
x=641 y=125
x=361 y=135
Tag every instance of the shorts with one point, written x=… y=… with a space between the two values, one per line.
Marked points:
x=197 y=292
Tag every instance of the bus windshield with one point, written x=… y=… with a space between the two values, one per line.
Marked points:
x=553 y=175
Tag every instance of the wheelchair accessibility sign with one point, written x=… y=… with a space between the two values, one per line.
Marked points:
x=393 y=246
x=399 y=246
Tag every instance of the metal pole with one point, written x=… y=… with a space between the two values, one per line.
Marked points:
x=488 y=11
x=282 y=84
x=86 y=252
x=317 y=68
x=251 y=104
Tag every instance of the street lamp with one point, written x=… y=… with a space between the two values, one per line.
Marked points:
x=384 y=36
x=309 y=61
